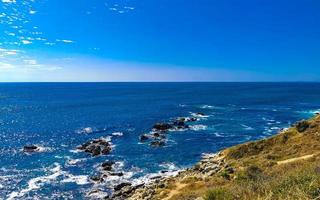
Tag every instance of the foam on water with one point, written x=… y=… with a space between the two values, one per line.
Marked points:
x=38 y=182
x=198 y=127
x=247 y=128
x=117 y=134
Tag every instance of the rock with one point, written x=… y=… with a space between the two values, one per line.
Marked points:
x=157 y=143
x=30 y=148
x=96 y=151
x=116 y=173
x=156 y=134
x=96 y=179
x=179 y=123
x=121 y=185
x=143 y=138
x=106 y=150
x=96 y=147
x=162 y=126
x=302 y=125
x=107 y=166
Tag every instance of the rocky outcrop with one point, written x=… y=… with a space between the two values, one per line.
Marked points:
x=31 y=149
x=301 y=126
x=96 y=147
x=157 y=136
x=209 y=165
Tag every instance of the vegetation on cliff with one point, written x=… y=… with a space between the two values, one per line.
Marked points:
x=285 y=166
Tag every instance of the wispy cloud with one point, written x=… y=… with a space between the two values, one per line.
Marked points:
x=65 y=41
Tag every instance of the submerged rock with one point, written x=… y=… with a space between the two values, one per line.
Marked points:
x=158 y=143
x=144 y=138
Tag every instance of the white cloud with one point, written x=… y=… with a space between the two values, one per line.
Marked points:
x=30 y=62
x=9 y=1
x=32 y=12
x=26 y=42
x=65 y=41
x=6 y=66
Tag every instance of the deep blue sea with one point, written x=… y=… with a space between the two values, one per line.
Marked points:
x=56 y=115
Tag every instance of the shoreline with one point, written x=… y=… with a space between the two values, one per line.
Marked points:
x=209 y=165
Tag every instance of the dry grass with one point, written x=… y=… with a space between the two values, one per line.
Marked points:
x=257 y=174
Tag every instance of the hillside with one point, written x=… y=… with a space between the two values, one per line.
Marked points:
x=285 y=166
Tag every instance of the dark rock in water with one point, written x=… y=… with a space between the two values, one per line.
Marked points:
x=302 y=125
x=30 y=148
x=107 y=166
x=106 y=150
x=156 y=134
x=162 y=126
x=157 y=143
x=179 y=123
x=121 y=185
x=96 y=151
x=200 y=114
x=192 y=119
x=116 y=173
x=96 y=178
x=143 y=138
x=96 y=147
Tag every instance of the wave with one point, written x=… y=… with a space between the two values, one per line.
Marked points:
x=198 y=127
x=246 y=127
x=79 y=180
x=117 y=134
x=56 y=172
x=207 y=107
x=38 y=182
x=199 y=115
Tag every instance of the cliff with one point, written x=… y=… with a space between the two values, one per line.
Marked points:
x=285 y=166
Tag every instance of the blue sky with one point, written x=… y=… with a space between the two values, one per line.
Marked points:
x=159 y=40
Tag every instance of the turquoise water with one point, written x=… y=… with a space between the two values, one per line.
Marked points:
x=60 y=116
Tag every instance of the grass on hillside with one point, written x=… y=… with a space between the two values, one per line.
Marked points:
x=285 y=166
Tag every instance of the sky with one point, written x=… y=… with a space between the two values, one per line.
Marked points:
x=159 y=40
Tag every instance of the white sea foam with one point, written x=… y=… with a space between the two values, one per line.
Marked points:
x=80 y=180
x=54 y=174
x=198 y=115
x=117 y=134
x=86 y=130
x=218 y=134
x=246 y=127
x=198 y=127
x=206 y=107
x=38 y=182
x=169 y=166
x=75 y=161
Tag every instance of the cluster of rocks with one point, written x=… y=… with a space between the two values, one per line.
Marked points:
x=96 y=147
x=157 y=137
x=208 y=166
x=301 y=126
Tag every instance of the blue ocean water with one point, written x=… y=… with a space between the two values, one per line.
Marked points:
x=55 y=115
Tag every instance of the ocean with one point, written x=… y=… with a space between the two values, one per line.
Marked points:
x=58 y=117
